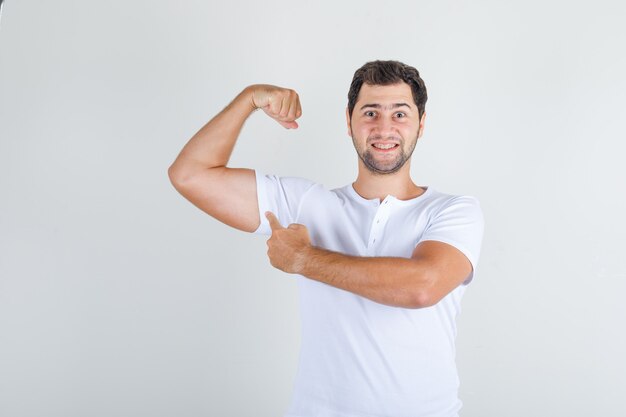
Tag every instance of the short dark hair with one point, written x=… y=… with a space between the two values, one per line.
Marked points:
x=387 y=73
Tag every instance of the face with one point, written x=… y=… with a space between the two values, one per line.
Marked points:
x=385 y=126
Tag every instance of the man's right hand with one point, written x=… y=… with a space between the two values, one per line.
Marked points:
x=200 y=173
x=281 y=104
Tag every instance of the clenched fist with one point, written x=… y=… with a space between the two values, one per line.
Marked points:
x=281 y=104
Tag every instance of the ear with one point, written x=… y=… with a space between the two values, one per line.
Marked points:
x=348 y=122
x=421 y=128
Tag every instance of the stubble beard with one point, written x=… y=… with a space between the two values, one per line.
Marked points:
x=379 y=167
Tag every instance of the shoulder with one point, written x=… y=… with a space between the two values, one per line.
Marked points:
x=289 y=188
x=439 y=202
x=458 y=221
x=453 y=213
x=290 y=182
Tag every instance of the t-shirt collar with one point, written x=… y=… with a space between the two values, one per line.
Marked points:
x=390 y=198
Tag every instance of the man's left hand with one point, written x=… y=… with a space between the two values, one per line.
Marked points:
x=288 y=247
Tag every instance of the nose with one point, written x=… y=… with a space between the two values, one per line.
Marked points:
x=385 y=127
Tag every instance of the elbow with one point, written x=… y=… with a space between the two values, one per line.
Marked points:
x=185 y=173
x=174 y=175
x=179 y=175
x=424 y=294
x=423 y=298
x=175 y=178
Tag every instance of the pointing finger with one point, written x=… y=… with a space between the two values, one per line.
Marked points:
x=274 y=223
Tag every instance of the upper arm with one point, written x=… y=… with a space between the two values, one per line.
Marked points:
x=444 y=266
x=227 y=194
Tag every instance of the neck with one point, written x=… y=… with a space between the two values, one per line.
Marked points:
x=399 y=184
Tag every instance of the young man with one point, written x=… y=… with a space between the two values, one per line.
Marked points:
x=382 y=263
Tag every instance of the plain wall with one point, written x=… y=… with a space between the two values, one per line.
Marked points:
x=120 y=298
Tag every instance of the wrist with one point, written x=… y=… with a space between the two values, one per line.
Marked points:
x=306 y=260
x=248 y=95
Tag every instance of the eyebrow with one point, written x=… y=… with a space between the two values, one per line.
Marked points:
x=378 y=106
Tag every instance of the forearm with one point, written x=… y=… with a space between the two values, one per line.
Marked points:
x=213 y=145
x=433 y=271
x=392 y=281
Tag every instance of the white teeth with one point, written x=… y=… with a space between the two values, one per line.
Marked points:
x=384 y=146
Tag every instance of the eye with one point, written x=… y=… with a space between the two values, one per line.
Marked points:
x=400 y=115
x=370 y=113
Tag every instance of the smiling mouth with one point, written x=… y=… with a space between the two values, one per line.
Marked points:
x=385 y=146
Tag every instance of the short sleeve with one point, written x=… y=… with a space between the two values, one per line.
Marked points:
x=280 y=195
x=460 y=223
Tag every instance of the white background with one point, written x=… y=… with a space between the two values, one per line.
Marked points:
x=120 y=298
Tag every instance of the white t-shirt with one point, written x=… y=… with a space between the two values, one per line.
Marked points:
x=360 y=358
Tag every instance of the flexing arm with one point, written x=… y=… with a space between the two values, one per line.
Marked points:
x=433 y=271
x=199 y=172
